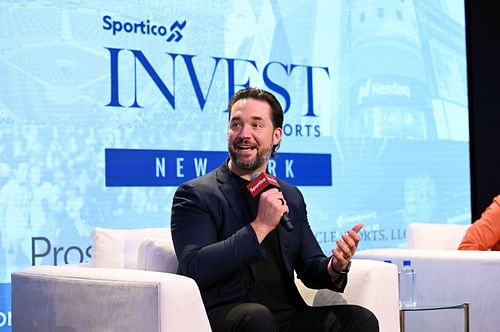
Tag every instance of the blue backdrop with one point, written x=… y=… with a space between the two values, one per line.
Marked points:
x=106 y=106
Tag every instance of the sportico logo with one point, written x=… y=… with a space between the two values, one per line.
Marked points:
x=171 y=34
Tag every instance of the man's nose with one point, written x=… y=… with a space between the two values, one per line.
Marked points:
x=245 y=131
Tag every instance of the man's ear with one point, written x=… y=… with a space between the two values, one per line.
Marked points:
x=278 y=132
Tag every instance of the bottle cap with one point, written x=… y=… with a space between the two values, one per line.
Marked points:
x=406 y=262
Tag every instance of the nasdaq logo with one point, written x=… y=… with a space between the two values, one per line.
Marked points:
x=153 y=168
x=379 y=89
x=170 y=34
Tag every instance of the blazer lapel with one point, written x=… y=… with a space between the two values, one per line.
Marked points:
x=233 y=196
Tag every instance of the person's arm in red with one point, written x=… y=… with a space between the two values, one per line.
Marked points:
x=484 y=234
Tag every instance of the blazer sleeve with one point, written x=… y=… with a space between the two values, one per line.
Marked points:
x=197 y=216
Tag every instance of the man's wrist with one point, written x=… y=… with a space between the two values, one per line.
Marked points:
x=260 y=230
x=340 y=272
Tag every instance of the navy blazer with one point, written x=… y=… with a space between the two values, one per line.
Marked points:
x=217 y=247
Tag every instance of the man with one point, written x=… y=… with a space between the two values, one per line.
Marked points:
x=484 y=233
x=233 y=246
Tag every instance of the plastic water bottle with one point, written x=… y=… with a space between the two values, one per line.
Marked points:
x=407 y=285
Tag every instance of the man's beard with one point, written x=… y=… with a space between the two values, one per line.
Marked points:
x=252 y=165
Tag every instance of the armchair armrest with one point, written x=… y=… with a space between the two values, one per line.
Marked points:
x=372 y=284
x=84 y=298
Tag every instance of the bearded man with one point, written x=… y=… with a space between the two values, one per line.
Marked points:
x=233 y=246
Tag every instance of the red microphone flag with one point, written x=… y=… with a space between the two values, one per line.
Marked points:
x=261 y=182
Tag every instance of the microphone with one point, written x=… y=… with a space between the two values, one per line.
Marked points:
x=263 y=182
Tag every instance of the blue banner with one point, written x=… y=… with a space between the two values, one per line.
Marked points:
x=5 y=312
x=154 y=168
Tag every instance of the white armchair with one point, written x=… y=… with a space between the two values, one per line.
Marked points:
x=445 y=275
x=131 y=285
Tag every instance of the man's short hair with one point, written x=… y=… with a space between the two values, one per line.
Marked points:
x=260 y=94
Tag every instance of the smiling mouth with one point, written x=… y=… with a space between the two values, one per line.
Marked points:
x=245 y=147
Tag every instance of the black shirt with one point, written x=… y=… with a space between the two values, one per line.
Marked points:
x=273 y=287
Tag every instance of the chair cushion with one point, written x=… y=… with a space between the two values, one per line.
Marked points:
x=157 y=255
x=119 y=248
x=328 y=297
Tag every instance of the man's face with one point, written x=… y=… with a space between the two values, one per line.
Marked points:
x=251 y=136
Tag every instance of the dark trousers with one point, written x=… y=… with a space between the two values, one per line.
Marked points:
x=254 y=317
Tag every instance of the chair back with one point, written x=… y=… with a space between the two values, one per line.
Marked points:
x=149 y=249
x=434 y=236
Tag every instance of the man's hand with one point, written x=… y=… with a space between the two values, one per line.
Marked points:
x=272 y=206
x=345 y=249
